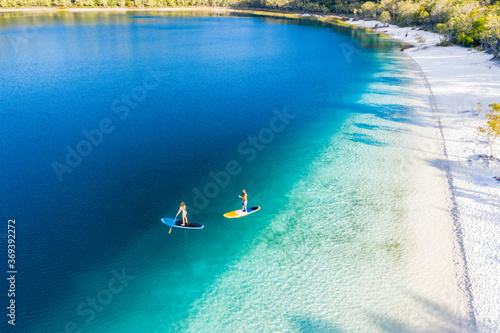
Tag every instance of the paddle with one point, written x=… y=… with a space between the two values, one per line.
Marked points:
x=175 y=218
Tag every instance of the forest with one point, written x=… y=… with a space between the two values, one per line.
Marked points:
x=465 y=22
x=471 y=23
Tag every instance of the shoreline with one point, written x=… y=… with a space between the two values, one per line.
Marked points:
x=457 y=78
x=459 y=254
x=83 y=9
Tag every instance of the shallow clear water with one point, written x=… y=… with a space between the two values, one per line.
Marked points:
x=184 y=98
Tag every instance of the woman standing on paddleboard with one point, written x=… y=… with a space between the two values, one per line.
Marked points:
x=184 y=213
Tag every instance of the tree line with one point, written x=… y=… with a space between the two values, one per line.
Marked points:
x=140 y=3
x=471 y=23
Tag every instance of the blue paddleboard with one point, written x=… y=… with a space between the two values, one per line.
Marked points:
x=178 y=224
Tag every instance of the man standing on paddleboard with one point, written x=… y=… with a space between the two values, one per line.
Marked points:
x=244 y=202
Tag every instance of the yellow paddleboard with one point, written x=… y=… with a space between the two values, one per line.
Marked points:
x=240 y=213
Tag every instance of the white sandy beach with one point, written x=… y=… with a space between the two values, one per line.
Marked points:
x=458 y=78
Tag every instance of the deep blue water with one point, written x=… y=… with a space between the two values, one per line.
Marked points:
x=217 y=80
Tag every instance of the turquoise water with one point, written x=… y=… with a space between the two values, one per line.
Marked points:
x=161 y=107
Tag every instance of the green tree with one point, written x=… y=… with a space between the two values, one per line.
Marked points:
x=423 y=15
x=491 y=34
x=389 y=5
x=444 y=30
x=420 y=40
x=406 y=12
x=369 y=9
x=492 y=127
x=61 y=3
x=479 y=108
